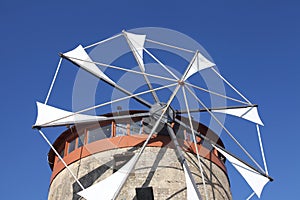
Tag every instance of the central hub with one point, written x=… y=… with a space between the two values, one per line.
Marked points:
x=157 y=109
x=155 y=113
x=180 y=82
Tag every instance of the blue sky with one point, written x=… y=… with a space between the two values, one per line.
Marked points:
x=255 y=43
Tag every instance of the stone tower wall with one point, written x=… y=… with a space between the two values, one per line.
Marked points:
x=158 y=168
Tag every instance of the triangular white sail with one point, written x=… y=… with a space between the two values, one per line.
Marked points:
x=136 y=45
x=81 y=58
x=108 y=188
x=199 y=63
x=50 y=116
x=191 y=194
x=248 y=113
x=255 y=180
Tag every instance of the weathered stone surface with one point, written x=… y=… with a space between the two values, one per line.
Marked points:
x=158 y=168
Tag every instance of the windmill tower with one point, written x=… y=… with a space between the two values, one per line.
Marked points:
x=160 y=152
x=91 y=154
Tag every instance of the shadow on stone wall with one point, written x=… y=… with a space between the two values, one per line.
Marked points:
x=212 y=180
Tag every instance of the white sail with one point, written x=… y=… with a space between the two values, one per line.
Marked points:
x=255 y=180
x=249 y=113
x=108 y=188
x=199 y=63
x=191 y=194
x=50 y=116
x=136 y=45
x=81 y=58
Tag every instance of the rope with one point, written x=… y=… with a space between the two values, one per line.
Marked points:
x=102 y=41
x=230 y=85
x=171 y=46
x=215 y=93
x=61 y=159
x=161 y=64
x=54 y=78
x=262 y=149
x=226 y=130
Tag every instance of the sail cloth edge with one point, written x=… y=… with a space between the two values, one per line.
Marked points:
x=199 y=64
x=191 y=194
x=104 y=188
x=51 y=116
x=254 y=179
x=137 y=47
x=80 y=57
x=248 y=113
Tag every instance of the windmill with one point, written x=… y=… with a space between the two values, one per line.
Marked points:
x=162 y=119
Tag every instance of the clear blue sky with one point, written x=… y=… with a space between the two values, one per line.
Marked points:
x=255 y=43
